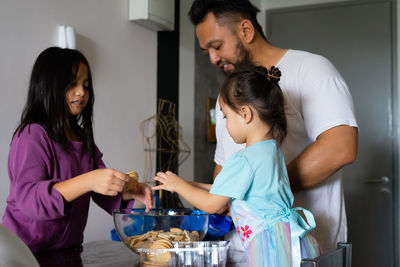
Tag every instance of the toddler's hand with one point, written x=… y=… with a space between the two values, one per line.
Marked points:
x=108 y=182
x=169 y=181
x=141 y=192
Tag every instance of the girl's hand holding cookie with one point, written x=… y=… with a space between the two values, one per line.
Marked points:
x=141 y=192
x=168 y=181
x=108 y=181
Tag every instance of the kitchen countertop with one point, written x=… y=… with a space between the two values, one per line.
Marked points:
x=93 y=254
x=105 y=253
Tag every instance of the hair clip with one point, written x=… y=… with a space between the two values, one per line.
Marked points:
x=272 y=76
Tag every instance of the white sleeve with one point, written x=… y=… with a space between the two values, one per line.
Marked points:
x=326 y=100
x=219 y=124
x=226 y=147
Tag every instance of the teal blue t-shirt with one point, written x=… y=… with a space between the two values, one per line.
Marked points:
x=257 y=176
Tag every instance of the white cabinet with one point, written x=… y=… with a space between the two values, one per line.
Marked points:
x=157 y=15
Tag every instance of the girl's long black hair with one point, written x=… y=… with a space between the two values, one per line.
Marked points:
x=53 y=73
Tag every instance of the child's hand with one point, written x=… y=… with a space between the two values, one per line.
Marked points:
x=169 y=181
x=108 y=182
x=141 y=192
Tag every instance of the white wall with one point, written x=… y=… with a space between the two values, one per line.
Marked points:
x=123 y=58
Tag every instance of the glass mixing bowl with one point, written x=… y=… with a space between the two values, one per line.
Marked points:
x=130 y=222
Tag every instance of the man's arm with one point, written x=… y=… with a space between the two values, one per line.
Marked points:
x=217 y=169
x=332 y=150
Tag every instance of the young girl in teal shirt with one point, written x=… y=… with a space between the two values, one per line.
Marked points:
x=254 y=181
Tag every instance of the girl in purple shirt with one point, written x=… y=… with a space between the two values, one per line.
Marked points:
x=54 y=165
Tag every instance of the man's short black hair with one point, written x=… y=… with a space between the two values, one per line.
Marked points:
x=225 y=8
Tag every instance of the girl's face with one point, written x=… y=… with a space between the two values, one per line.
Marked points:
x=78 y=94
x=234 y=123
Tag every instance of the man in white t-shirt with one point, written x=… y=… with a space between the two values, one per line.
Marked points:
x=322 y=129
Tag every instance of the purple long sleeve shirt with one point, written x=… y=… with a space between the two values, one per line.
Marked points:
x=35 y=211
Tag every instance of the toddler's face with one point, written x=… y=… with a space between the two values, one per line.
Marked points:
x=78 y=94
x=234 y=123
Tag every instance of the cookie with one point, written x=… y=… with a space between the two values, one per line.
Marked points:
x=133 y=180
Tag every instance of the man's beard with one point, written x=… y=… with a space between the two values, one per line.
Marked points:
x=243 y=56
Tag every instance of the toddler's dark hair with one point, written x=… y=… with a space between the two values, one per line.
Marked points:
x=257 y=87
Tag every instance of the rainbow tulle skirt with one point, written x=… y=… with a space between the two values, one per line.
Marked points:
x=273 y=247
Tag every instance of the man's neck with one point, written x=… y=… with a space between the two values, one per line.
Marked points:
x=265 y=54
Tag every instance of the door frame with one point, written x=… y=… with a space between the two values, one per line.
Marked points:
x=395 y=88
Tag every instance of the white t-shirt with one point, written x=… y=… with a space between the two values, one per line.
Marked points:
x=316 y=99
